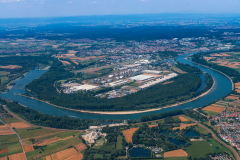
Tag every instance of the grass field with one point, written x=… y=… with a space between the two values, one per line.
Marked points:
x=221 y=148
x=36 y=132
x=4 y=79
x=11 y=143
x=53 y=148
x=210 y=113
x=10 y=120
x=133 y=84
x=176 y=118
x=119 y=142
x=201 y=130
x=3 y=73
x=199 y=149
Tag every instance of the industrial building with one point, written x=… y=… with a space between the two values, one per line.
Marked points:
x=86 y=87
x=159 y=80
x=141 y=78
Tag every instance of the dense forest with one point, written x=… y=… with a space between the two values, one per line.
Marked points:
x=26 y=64
x=235 y=75
x=42 y=119
x=183 y=88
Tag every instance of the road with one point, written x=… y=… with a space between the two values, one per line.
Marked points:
x=216 y=138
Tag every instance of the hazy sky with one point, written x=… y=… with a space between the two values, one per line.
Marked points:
x=50 y=8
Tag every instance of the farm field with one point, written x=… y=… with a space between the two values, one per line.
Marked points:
x=18 y=156
x=54 y=148
x=214 y=109
x=176 y=158
x=129 y=133
x=4 y=73
x=10 y=120
x=19 y=125
x=35 y=133
x=62 y=154
x=11 y=143
x=27 y=148
x=199 y=149
x=219 y=148
x=210 y=113
x=80 y=147
x=154 y=125
x=183 y=119
x=119 y=142
x=201 y=130
x=184 y=126
x=176 y=153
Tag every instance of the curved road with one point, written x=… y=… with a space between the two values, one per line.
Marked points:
x=216 y=138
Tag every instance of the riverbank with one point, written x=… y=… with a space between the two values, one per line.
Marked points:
x=233 y=85
x=124 y=112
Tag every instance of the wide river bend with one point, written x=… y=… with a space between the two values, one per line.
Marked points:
x=221 y=88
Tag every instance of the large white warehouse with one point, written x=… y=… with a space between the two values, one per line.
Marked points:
x=141 y=77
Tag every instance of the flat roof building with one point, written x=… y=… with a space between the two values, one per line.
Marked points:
x=141 y=77
x=86 y=87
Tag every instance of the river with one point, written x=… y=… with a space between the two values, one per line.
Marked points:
x=220 y=89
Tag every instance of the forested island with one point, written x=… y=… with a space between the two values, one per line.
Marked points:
x=182 y=88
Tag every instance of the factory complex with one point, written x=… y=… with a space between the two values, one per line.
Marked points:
x=159 y=80
x=75 y=87
x=141 y=78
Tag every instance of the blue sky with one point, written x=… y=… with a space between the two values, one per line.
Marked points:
x=53 y=8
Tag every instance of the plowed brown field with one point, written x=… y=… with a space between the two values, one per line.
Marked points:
x=3 y=151
x=18 y=156
x=48 y=157
x=27 y=148
x=19 y=125
x=214 y=109
x=75 y=157
x=232 y=97
x=6 y=132
x=184 y=126
x=80 y=147
x=175 y=153
x=47 y=141
x=3 y=158
x=11 y=67
x=151 y=126
x=129 y=133
x=63 y=154
x=3 y=127
x=51 y=140
x=183 y=119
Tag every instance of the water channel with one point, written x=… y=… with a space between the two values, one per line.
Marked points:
x=220 y=89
